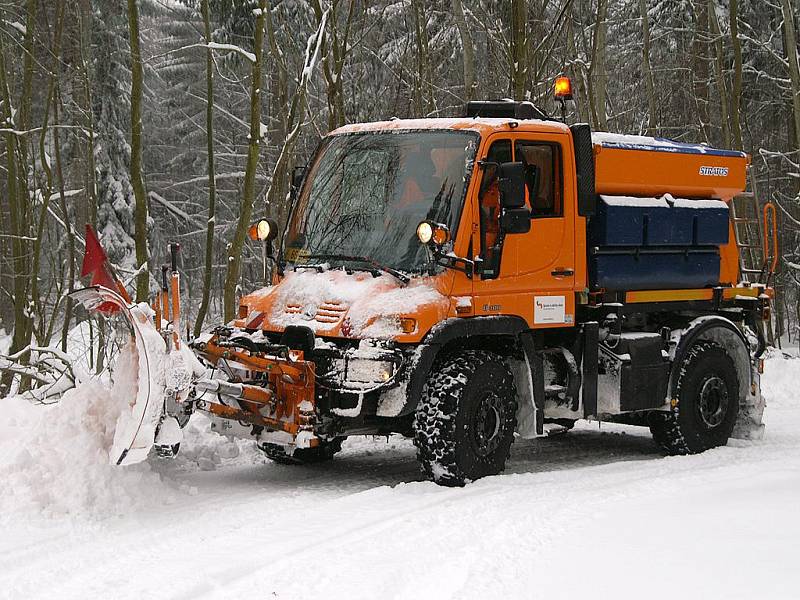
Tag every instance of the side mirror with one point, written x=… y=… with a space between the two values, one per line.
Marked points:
x=512 y=185
x=515 y=220
x=298 y=174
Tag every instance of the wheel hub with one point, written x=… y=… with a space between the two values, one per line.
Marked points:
x=488 y=423
x=713 y=401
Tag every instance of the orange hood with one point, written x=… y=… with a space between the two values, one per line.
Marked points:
x=358 y=305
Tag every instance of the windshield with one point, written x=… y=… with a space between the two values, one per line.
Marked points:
x=366 y=193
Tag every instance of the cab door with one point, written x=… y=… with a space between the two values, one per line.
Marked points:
x=535 y=277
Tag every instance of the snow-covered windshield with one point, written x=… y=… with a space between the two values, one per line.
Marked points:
x=366 y=193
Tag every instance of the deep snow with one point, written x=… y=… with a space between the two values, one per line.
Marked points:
x=597 y=511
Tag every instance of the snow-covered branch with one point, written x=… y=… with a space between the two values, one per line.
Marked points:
x=232 y=48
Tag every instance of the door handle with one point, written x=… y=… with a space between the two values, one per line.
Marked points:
x=562 y=273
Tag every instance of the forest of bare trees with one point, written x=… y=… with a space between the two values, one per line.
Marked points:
x=162 y=120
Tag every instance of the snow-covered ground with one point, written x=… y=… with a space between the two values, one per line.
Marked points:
x=596 y=513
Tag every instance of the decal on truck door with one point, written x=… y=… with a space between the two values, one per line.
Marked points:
x=548 y=309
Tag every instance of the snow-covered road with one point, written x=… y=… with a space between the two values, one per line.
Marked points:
x=597 y=511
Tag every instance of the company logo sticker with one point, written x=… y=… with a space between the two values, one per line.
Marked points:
x=714 y=171
x=549 y=309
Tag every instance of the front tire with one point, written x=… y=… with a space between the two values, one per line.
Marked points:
x=464 y=425
x=707 y=391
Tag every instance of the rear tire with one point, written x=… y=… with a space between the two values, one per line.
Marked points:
x=707 y=393
x=464 y=425
x=302 y=456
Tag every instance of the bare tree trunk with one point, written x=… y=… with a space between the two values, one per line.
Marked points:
x=21 y=336
x=597 y=71
x=647 y=71
x=137 y=177
x=719 y=72
x=279 y=103
x=577 y=71
x=253 y=152
x=36 y=299
x=736 y=91
x=296 y=114
x=85 y=42
x=424 y=92
x=17 y=165
x=68 y=222
x=212 y=184
x=519 y=43
x=333 y=60
x=469 y=51
x=791 y=57
x=700 y=67
x=25 y=101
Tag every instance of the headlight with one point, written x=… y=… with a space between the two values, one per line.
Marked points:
x=364 y=370
x=430 y=232
x=263 y=230
x=425 y=232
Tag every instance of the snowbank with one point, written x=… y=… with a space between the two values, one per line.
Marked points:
x=205 y=450
x=779 y=382
x=54 y=460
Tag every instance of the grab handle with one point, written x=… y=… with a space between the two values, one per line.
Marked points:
x=770 y=231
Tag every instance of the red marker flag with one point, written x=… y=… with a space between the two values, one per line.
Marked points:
x=95 y=263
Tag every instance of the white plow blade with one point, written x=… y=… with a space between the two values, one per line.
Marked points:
x=139 y=376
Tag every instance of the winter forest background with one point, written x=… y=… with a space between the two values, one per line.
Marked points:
x=232 y=94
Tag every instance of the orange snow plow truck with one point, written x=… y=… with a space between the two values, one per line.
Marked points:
x=466 y=281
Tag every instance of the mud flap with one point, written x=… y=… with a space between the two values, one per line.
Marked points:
x=751 y=410
x=141 y=375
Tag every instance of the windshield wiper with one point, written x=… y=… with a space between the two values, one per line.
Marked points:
x=402 y=277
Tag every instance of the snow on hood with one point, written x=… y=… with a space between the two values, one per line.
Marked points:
x=366 y=306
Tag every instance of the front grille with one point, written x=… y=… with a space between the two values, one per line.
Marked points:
x=330 y=312
x=326 y=312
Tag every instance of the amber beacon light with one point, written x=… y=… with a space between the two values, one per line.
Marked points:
x=563 y=88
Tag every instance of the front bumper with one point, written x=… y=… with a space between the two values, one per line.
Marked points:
x=275 y=393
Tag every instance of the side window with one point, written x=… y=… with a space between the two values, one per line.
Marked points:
x=543 y=177
x=489 y=202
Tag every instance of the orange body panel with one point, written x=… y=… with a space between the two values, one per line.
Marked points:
x=646 y=167
x=526 y=285
x=624 y=172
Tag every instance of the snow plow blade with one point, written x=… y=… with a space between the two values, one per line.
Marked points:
x=139 y=372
